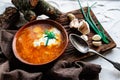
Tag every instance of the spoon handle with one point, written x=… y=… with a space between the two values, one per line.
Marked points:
x=115 y=64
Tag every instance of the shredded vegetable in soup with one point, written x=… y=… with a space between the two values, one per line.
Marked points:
x=39 y=44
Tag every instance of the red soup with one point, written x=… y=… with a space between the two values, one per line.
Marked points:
x=39 y=44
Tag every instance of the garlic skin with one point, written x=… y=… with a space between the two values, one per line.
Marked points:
x=84 y=27
x=74 y=23
x=85 y=37
x=96 y=37
x=97 y=43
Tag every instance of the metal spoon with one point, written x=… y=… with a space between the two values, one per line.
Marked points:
x=82 y=46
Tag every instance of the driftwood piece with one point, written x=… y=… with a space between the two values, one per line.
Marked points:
x=33 y=8
x=9 y=17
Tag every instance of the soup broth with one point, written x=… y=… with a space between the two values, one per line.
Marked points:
x=31 y=44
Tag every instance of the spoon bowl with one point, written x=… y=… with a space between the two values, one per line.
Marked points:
x=82 y=46
x=79 y=43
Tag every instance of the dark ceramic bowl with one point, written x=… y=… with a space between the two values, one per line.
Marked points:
x=21 y=31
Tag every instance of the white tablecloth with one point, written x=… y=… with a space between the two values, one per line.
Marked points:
x=108 y=13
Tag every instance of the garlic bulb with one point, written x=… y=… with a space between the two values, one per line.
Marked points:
x=74 y=21
x=84 y=27
x=71 y=16
x=96 y=37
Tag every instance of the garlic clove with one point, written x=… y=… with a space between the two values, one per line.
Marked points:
x=71 y=16
x=85 y=37
x=97 y=43
x=84 y=27
x=74 y=23
x=96 y=37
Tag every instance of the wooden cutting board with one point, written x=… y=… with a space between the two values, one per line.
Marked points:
x=71 y=52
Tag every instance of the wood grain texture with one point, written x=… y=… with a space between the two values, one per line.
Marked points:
x=71 y=53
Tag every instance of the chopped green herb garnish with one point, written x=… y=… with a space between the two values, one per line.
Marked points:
x=92 y=24
x=49 y=35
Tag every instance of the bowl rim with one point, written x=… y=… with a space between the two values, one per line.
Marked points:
x=59 y=26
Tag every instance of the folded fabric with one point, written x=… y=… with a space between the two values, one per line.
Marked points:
x=13 y=69
x=77 y=70
x=17 y=74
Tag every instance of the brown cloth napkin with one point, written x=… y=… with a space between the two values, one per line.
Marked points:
x=13 y=69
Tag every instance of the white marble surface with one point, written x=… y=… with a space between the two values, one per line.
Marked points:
x=108 y=13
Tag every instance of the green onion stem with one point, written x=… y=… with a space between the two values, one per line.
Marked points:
x=82 y=10
x=93 y=4
x=85 y=16
x=92 y=24
x=47 y=41
x=101 y=33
